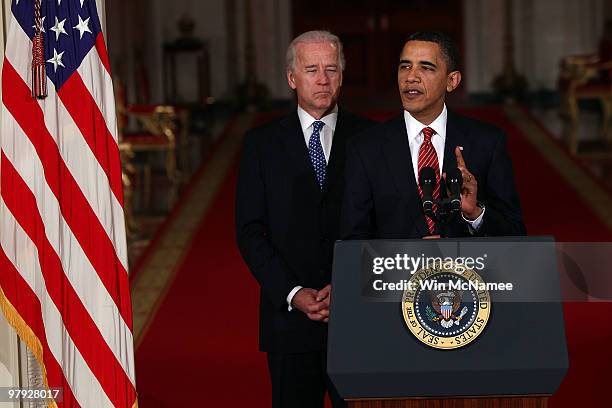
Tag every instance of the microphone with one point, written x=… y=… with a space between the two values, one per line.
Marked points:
x=454 y=182
x=427 y=181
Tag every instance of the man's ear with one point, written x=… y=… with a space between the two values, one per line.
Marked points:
x=453 y=80
x=291 y=79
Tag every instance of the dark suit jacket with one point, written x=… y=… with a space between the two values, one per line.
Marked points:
x=286 y=226
x=382 y=198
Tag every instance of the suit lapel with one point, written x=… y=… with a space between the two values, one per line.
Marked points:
x=455 y=136
x=297 y=152
x=336 y=156
x=397 y=152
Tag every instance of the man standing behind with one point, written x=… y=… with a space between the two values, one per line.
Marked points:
x=288 y=202
x=383 y=198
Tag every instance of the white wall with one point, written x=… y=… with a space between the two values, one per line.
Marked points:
x=545 y=31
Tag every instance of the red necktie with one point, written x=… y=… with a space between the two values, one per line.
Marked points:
x=429 y=158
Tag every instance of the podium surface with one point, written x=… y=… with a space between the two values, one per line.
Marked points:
x=521 y=352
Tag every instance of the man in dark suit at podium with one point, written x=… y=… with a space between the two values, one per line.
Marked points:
x=288 y=203
x=383 y=198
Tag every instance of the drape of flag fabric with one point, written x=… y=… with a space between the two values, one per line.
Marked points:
x=63 y=256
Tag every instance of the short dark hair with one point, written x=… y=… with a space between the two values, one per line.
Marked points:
x=449 y=49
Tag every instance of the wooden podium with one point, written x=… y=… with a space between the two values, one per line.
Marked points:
x=380 y=355
x=500 y=402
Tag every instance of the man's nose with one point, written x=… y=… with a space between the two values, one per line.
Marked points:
x=322 y=77
x=411 y=76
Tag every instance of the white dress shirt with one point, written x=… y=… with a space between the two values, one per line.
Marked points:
x=414 y=129
x=327 y=135
x=327 y=132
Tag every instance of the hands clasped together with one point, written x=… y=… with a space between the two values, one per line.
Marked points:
x=314 y=303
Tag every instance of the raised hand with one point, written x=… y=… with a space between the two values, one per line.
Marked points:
x=469 y=191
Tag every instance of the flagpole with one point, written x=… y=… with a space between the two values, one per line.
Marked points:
x=5 y=3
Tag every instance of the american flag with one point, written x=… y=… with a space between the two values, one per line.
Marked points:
x=63 y=258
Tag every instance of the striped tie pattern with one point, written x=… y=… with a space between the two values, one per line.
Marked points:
x=429 y=158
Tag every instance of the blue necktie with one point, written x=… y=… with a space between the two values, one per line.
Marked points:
x=315 y=151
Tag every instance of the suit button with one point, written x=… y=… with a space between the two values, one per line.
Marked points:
x=324 y=239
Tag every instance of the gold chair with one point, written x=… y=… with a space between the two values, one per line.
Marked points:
x=585 y=77
x=157 y=131
x=127 y=174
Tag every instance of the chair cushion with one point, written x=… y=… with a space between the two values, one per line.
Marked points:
x=141 y=108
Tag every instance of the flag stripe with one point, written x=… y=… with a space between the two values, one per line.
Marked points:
x=87 y=173
x=84 y=388
x=75 y=152
x=21 y=203
x=101 y=48
x=20 y=293
x=79 y=271
x=75 y=209
x=85 y=113
x=61 y=216
x=99 y=83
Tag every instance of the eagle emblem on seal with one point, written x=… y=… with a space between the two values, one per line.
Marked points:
x=443 y=308
x=445 y=305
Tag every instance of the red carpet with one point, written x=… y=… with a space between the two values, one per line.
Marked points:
x=201 y=349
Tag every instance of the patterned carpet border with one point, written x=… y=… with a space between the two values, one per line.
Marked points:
x=596 y=197
x=156 y=273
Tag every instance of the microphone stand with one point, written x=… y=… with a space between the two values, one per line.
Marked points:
x=447 y=212
x=448 y=208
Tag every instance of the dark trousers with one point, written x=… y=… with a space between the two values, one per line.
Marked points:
x=300 y=381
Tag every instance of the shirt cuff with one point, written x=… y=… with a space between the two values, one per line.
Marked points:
x=290 y=297
x=474 y=224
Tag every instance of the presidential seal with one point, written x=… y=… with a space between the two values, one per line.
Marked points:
x=446 y=306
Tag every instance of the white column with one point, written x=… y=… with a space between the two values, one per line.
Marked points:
x=483 y=51
x=544 y=32
x=272 y=36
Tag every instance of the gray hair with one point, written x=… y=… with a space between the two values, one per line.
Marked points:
x=317 y=36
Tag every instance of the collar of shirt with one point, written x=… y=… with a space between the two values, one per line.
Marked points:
x=327 y=133
x=414 y=129
x=306 y=120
